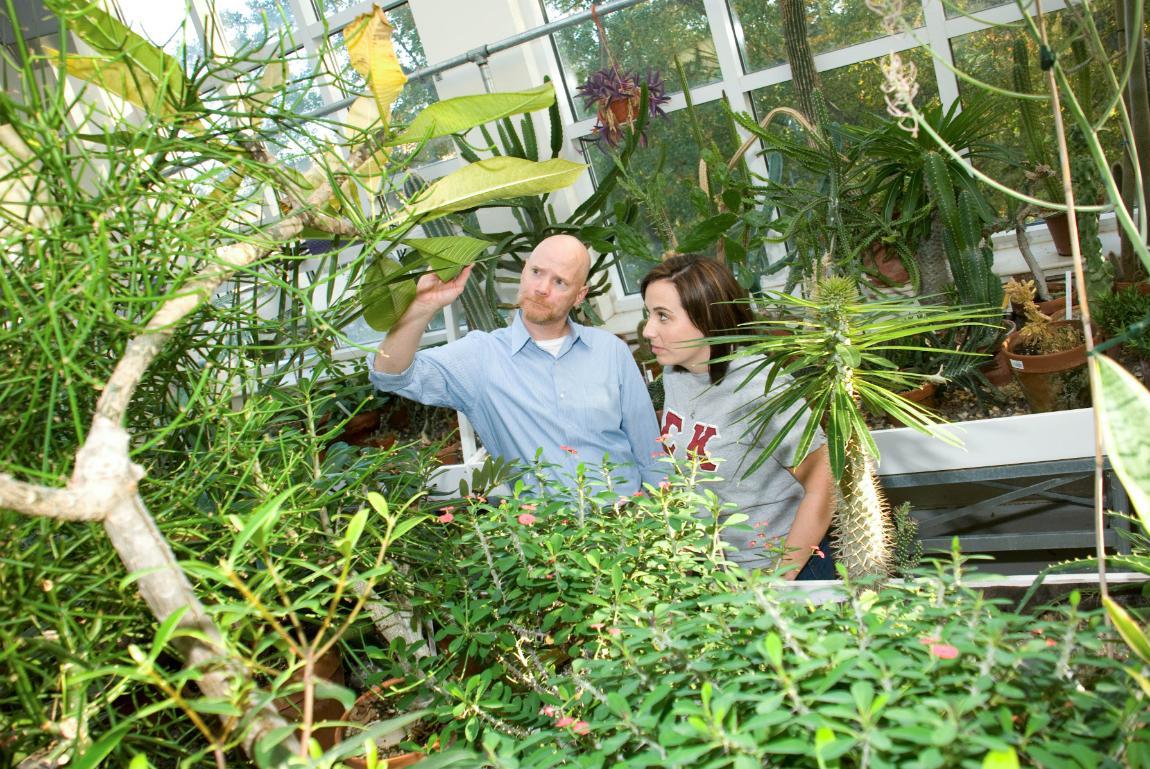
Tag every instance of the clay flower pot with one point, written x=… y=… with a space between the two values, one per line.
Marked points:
x=1059 y=228
x=359 y=713
x=329 y=667
x=1053 y=381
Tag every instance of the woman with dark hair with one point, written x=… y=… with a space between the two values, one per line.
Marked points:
x=789 y=507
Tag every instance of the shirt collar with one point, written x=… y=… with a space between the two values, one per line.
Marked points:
x=521 y=336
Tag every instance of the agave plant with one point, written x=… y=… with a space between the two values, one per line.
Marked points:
x=835 y=348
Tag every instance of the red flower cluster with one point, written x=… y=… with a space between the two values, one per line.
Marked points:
x=562 y=721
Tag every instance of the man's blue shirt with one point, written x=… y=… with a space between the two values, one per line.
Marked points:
x=587 y=402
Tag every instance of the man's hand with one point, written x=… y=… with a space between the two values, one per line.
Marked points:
x=397 y=350
x=433 y=294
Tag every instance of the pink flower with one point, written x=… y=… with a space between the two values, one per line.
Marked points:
x=614 y=630
x=569 y=450
x=928 y=640
x=447 y=517
x=943 y=651
x=753 y=542
x=596 y=625
x=816 y=551
x=638 y=493
x=580 y=727
x=564 y=721
x=526 y=519
x=664 y=485
x=527 y=507
x=1051 y=642
x=549 y=711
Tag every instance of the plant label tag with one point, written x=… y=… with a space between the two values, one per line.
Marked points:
x=1017 y=364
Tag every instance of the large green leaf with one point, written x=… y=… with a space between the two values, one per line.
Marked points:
x=109 y=36
x=385 y=298
x=465 y=112
x=448 y=255
x=127 y=62
x=704 y=234
x=493 y=179
x=1124 y=412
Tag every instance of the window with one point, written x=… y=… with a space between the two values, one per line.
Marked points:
x=853 y=92
x=666 y=173
x=648 y=36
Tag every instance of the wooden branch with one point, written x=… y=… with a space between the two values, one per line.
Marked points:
x=33 y=499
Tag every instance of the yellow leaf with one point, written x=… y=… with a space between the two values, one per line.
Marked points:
x=372 y=54
x=116 y=76
x=362 y=117
x=21 y=199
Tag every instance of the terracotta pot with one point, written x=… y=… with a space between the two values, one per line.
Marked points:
x=997 y=370
x=1051 y=382
x=1059 y=227
x=1056 y=307
x=330 y=668
x=887 y=264
x=925 y=395
x=393 y=761
x=623 y=111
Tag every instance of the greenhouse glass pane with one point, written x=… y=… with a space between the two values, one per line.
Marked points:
x=673 y=189
x=253 y=23
x=646 y=37
x=957 y=8
x=830 y=25
x=987 y=56
x=854 y=92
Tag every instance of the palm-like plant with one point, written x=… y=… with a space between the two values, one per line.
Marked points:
x=836 y=353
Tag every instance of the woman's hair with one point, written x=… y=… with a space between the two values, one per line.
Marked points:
x=713 y=299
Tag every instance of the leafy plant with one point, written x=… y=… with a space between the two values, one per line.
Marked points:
x=835 y=347
x=147 y=293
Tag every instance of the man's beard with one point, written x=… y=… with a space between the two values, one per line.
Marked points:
x=539 y=312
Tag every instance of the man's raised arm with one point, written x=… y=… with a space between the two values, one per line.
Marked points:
x=397 y=350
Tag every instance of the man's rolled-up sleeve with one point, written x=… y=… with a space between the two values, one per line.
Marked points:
x=440 y=376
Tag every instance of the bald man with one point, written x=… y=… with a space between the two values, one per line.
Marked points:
x=545 y=383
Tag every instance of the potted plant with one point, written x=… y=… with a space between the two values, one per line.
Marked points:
x=1048 y=357
x=616 y=93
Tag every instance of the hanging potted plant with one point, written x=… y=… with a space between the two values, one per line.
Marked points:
x=615 y=93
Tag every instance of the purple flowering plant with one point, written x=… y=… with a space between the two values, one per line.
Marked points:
x=616 y=96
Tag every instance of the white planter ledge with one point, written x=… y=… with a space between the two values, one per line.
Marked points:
x=1021 y=439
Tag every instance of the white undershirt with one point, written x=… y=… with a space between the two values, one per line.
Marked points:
x=551 y=345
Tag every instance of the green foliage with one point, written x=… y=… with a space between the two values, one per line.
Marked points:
x=1123 y=315
x=836 y=348
x=925 y=674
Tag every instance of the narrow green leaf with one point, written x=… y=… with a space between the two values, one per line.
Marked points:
x=99 y=750
x=1128 y=628
x=354 y=532
x=259 y=523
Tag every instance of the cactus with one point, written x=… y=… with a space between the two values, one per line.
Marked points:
x=862 y=532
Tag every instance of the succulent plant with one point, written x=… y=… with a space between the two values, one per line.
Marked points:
x=615 y=95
